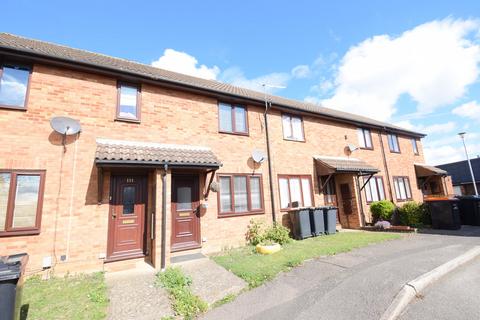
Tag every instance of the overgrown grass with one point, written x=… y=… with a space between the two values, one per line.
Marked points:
x=184 y=302
x=74 y=297
x=257 y=269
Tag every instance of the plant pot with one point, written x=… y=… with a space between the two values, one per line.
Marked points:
x=268 y=249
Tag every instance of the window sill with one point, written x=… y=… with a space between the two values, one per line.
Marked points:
x=294 y=140
x=397 y=152
x=235 y=133
x=127 y=120
x=231 y=215
x=369 y=149
x=2 y=106
x=35 y=232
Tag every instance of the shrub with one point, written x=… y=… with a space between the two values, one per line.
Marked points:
x=257 y=233
x=382 y=210
x=414 y=214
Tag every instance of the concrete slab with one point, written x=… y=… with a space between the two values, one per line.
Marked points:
x=210 y=281
x=133 y=295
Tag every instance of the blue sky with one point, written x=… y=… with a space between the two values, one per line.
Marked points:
x=409 y=63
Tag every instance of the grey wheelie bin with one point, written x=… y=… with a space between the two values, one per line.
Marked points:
x=12 y=269
x=445 y=213
x=300 y=218
x=317 y=221
x=470 y=210
x=330 y=218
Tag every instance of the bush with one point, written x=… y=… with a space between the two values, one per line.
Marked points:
x=414 y=214
x=257 y=233
x=382 y=210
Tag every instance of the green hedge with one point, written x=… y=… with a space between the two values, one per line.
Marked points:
x=414 y=214
x=382 y=210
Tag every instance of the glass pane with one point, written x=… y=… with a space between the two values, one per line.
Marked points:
x=225 y=115
x=368 y=191
x=390 y=142
x=381 y=191
x=240 y=119
x=373 y=189
x=407 y=188
x=255 y=195
x=129 y=200
x=361 y=140
x=13 y=86
x=26 y=201
x=240 y=194
x=287 y=129
x=4 y=188
x=397 y=191
x=295 y=192
x=414 y=145
x=307 y=194
x=401 y=187
x=297 y=128
x=184 y=198
x=284 y=196
x=225 y=195
x=395 y=143
x=368 y=138
x=128 y=102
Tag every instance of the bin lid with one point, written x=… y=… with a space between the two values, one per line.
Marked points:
x=12 y=267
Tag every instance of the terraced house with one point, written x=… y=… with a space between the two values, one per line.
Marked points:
x=163 y=163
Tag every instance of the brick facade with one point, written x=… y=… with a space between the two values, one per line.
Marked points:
x=75 y=225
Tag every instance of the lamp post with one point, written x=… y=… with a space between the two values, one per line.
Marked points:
x=462 y=136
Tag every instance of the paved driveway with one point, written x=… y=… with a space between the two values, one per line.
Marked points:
x=356 y=285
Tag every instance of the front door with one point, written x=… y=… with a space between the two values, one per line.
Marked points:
x=126 y=228
x=185 y=215
x=347 y=198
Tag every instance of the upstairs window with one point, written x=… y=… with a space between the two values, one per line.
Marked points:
x=128 y=106
x=414 y=146
x=292 y=127
x=393 y=143
x=240 y=194
x=14 y=81
x=374 y=190
x=295 y=189
x=364 y=138
x=402 y=188
x=21 y=197
x=232 y=118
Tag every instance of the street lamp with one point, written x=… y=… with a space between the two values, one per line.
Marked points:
x=462 y=136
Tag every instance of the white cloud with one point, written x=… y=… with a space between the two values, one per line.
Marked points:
x=301 y=71
x=236 y=77
x=429 y=129
x=434 y=63
x=182 y=62
x=445 y=153
x=468 y=110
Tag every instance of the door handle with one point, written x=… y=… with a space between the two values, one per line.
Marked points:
x=114 y=215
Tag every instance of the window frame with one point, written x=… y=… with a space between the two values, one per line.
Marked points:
x=378 y=191
x=364 y=138
x=249 y=211
x=291 y=116
x=7 y=229
x=138 y=105
x=415 y=146
x=395 y=181
x=295 y=176
x=23 y=65
x=233 y=106
x=389 y=144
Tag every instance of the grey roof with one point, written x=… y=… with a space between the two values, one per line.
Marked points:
x=460 y=172
x=135 y=152
x=58 y=52
x=424 y=170
x=344 y=165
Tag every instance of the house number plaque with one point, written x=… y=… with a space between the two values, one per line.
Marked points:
x=128 y=221
x=184 y=214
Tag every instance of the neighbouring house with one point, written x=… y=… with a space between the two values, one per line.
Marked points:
x=461 y=177
x=163 y=164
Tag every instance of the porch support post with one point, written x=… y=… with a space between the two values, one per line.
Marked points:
x=100 y=185
x=360 y=202
x=164 y=218
x=365 y=183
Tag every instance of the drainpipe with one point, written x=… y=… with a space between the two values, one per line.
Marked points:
x=265 y=119
x=164 y=218
x=385 y=164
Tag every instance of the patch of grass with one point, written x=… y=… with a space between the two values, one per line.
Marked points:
x=257 y=269
x=184 y=302
x=70 y=297
x=228 y=298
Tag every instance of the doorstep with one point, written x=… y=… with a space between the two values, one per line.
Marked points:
x=138 y=264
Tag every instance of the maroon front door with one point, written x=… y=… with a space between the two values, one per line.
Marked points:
x=126 y=227
x=185 y=218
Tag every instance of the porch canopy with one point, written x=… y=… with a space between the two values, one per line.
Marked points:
x=134 y=153
x=424 y=171
x=329 y=166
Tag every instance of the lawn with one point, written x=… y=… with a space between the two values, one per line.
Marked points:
x=256 y=269
x=74 y=297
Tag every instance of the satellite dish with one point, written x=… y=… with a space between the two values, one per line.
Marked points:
x=65 y=126
x=258 y=156
x=352 y=147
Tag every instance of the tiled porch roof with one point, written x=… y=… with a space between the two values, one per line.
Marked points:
x=424 y=170
x=148 y=153
x=329 y=165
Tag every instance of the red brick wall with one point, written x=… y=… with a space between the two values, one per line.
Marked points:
x=168 y=116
